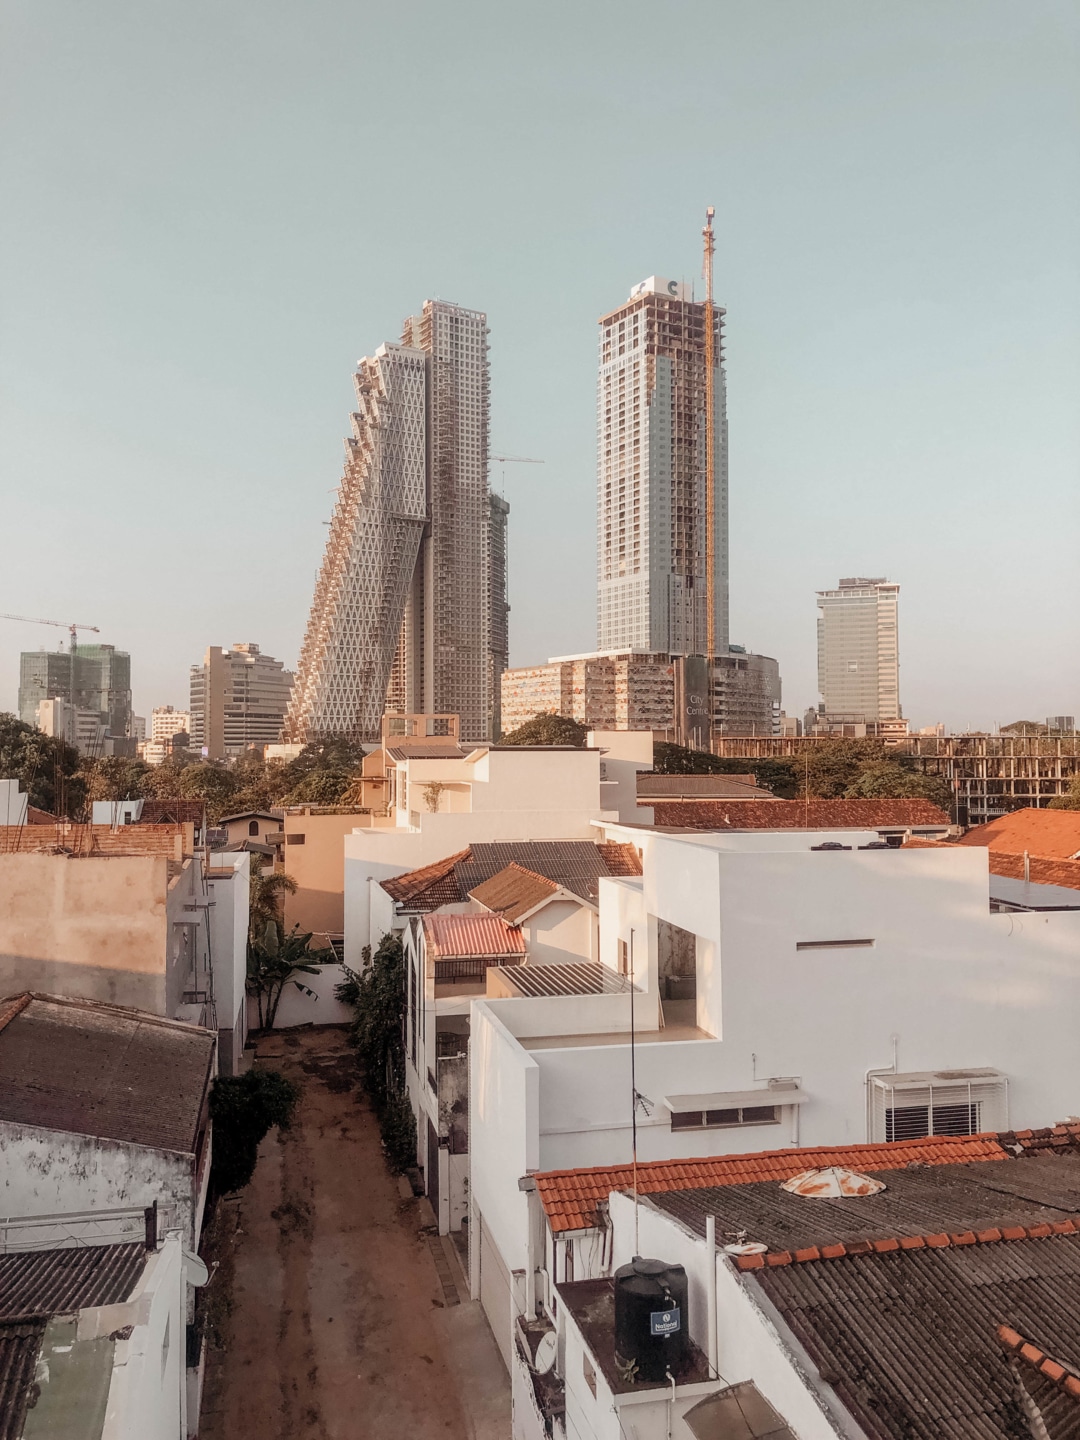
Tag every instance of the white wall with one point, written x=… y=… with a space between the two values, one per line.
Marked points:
x=956 y=985
x=503 y=1132
x=298 y=1008
x=228 y=885
x=562 y=933
x=51 y=1172
x=14 y=805
x=146 y=1391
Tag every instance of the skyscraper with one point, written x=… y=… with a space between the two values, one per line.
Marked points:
x=407 y=610
x=652 y=499
x=101 y=683
x=858 y=656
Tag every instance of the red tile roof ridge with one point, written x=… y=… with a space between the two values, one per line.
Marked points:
x=413 y=882
x=13 y=1005
x=938 y=1241
x=1023 y=1349
x=795 y=814
x=569 y=1197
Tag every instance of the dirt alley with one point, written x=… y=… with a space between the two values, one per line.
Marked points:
x=336 y=1323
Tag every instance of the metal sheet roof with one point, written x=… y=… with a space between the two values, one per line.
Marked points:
x=92 y=1069
x=587 y=978
x=55 y=1282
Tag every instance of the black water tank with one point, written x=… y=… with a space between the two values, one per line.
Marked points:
x=651 y=1320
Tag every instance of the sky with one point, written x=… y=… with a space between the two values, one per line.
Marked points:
x=212 y=209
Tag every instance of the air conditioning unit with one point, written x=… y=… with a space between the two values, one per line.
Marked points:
x=937 y=1102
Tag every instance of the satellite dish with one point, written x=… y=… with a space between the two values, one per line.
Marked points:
x=749 y=1247
x=195 y=1271
x=544 y=1358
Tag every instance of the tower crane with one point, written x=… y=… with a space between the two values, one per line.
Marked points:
x=72 y=627
x=503 y=460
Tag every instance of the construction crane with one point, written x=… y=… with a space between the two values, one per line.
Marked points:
x=710 y=456
x=72 y=627
x=503 y=460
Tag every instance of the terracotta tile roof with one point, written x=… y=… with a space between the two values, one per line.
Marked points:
x=416 y=888
x=465 y=937
x=1027 y=1353
x=1042 y=869
x=34 y=816
x=1053 y=833
x=620 y=859
x=570 y=1197
x=514 y=892
x=1058 y=1138
x=797 y=814
x=172 y=841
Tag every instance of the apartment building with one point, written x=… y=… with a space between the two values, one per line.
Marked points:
x=95 y=679
x=858 y=654
x=239 y=697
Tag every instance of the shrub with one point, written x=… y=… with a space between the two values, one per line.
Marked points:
x=244 y=1108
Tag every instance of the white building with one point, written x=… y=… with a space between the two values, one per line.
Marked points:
x=858 y=654
x=239 y=698
x=409 y=612
x=165 y=722
x=864 y=994
x=652 y=475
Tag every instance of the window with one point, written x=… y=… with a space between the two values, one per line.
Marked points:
x=589 y=1373
x=833 y=944
x=912 y=1122
x=714 y=1119
x=253 y=828
x=294 y=839
x=938 y=1102
x=624 y=958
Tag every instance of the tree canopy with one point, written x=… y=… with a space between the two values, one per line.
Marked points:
x=548 y=729
x=47 y=768
x=1070 y=800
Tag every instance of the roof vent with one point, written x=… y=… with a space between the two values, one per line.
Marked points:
x=835 y=1182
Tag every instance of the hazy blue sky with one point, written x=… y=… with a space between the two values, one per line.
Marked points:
x=211 y=209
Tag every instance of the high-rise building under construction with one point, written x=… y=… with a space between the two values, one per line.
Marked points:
x=653 y=474
x=409 y=609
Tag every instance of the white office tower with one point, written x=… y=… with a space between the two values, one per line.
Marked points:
x=402 y=616
x=652 y=475
x=858 y=656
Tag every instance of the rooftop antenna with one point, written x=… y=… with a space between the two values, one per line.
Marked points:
x=710 y=442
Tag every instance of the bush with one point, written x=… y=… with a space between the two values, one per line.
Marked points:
x=244 y=1108
x=548 y=729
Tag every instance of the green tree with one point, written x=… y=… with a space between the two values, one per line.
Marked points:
x=244 y=1108
x=1070 y=800
x=548 y=729
x=777 y=775
x=377 y=993
x=889 y=780
x=213 y=784
x=320 y=787
x=115 y=777
x=47 y=768
x=274 y=961
x=827 y=770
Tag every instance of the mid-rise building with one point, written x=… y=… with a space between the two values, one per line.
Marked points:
x=652 y=470
x=101 y=683
x=238 y=698
x=165 y=722
x=858 y=655
x=637 y=690
x=409 y=613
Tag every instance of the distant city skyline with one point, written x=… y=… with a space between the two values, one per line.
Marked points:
x=199 y=257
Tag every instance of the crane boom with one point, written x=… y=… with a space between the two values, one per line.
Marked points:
x=517 y=459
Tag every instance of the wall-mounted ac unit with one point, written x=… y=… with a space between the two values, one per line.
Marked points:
x=937 y=1102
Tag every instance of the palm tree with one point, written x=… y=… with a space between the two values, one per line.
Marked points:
x=266 y=899
x=272 y=963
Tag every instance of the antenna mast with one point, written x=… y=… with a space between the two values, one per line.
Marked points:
x=710 y=457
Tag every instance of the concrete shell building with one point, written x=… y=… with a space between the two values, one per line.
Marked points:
x=102 y=683
x=409 y=613
x=858 y=656
x=652 y=474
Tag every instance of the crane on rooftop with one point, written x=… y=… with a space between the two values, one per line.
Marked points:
x=503 y=460
x=72 y=627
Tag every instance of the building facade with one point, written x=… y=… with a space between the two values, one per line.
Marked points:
x=101 y=683
x=239 y=698
x=410 y=607
x=858 y=654
x=652 y=503
x=636 y=690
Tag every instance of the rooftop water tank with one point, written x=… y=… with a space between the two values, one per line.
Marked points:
x=651 y=1321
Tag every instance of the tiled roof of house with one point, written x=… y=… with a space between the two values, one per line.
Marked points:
x=20 y=1345
x=514 y=892
x=576 y=865
x=165 y=839
x=797 y=814
x=1052 y=833
x=570 y=1197
x=1042 y=869
x=57 y=1282
x=467 y=937
x=699 y=787
x=94 y=1069
x=428 y=887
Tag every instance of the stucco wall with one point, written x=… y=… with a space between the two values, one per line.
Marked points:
x=503 y=1101
x=92 y=928
x=318 y=867
x=562 y=933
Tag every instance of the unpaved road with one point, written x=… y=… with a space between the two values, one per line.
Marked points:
x=333 y=1314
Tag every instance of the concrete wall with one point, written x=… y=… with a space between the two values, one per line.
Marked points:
x=93 y=928
x=503 y=1133
x=562 y=933
x=147 y=1391
x=228 y=883
x=318 y=867
x=299 y=1008
x=51 y=1172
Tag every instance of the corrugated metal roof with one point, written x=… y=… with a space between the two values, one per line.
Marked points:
x=465 y=937
x=426 y=752
x=20 y=1343
x=94 y=1069
x=587 y=978
x=59 y=1282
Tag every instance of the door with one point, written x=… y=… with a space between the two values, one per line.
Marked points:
x=431 y=1179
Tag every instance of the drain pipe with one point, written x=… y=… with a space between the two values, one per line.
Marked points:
x=671 y=1404
x=710 y=1291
